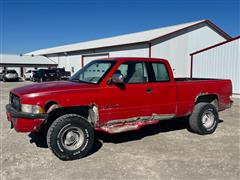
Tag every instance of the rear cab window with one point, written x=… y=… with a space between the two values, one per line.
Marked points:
x=159 y=72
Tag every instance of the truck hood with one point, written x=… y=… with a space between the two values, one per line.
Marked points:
x=51 y=87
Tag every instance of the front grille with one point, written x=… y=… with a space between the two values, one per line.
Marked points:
x=15 y=101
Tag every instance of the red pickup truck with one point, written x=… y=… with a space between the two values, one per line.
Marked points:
x=114 y=95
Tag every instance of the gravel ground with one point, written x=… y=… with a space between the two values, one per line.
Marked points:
x=164 y=151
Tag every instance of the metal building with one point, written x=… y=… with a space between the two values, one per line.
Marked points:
x=219 y=61
x=174 y=43
x=22 y=63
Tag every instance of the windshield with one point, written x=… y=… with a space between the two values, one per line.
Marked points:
x=93 y=72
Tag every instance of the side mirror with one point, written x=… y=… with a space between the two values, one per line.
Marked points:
x=117 y=78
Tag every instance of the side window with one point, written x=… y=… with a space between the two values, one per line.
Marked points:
x=160 y=72
x=133 y=72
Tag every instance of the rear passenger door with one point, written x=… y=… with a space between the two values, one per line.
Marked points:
x=162 y=91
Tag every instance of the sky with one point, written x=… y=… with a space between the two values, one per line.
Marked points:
x=27 y=25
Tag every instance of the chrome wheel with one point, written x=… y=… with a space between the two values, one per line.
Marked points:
x=72 y=138
x=208 y=119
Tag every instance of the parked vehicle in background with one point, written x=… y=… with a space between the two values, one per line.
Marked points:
x=62 y=74
x=115 y=95
x=45 y=75
x=32 y=74
x=9 y=75
x=28 y=75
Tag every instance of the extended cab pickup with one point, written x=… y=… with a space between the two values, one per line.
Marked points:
x=114 y=95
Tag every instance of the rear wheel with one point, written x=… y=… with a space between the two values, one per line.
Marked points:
x=70 y=137
x=204 y=119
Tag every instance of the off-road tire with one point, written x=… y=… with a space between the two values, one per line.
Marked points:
x=195 y=120
x=57 y=129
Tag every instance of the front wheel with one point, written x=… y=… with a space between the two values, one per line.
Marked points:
x=70 y=137
x=204 y=119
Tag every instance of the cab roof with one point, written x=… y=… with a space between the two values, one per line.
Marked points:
x=133 y=59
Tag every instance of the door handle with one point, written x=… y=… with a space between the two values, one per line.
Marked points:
x=149 y=90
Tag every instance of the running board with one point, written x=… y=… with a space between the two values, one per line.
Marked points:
x=123 y=125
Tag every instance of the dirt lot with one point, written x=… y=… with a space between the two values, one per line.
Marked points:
x=164 y=151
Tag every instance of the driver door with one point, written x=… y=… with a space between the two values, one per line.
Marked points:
x=127 y=100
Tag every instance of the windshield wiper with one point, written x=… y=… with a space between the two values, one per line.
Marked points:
x=80 y=81
x=77 y=80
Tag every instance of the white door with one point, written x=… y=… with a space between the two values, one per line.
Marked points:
x=63 y=62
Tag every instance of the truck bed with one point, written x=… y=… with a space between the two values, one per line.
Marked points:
x=189 y=89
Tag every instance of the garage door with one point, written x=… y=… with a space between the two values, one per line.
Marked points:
x=63 y=62
x=88 y=58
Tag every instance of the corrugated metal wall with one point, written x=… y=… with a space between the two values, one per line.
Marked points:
x=137 y=50
x=220 y=62
x=177 y=49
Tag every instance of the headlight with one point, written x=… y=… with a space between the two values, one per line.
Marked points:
x=35 y=109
